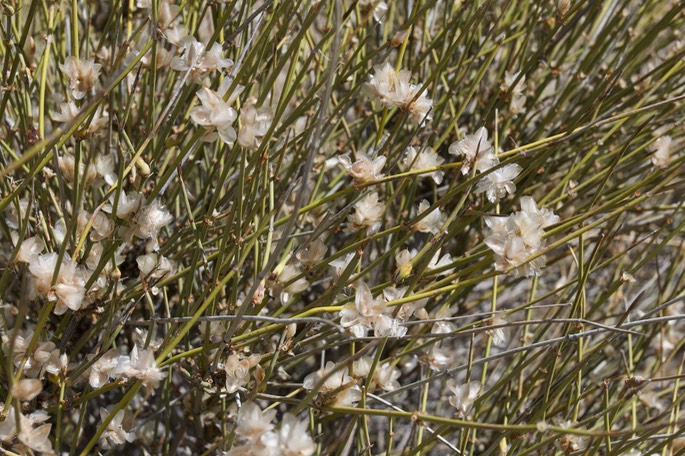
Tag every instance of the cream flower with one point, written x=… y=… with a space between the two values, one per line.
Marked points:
x=288 y=284
x=393 y=88
x=424 y=159
x=294 y=438
x=237 y=370
x=82 y=75
x=661 y=151
x=252 y=423
x=30 y=249
x=216 y=115
x=27 y=389
x=430 y=223
x=519 y=236
x=476 y=150
x=364 y=169
x=463 y=396
x=312 y=253
x=143 y=367
x=499 y=183
x=368 y=313
x=198 y=61
x=348 y=392
x=368 y=213
x=518 y=98
x=115 y=433
x=69 y=288
x=254 y=124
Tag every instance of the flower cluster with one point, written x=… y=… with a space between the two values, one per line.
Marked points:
x=393 y=89
x=517 y=239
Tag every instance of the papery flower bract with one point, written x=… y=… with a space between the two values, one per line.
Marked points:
x=385 y=375
x=287 y=284
x=368 y=213
x=364 y=169
x=393 y=88
x=369 y=313
x=476 y=150
x=103 y=369
x=114 y=434
x=518 y=98
x=252 y=423
x=254 y=124
x=215 y=114
x=144 y=367
x=69 y=289
x=350 y=393
x=294 y=438
x=237 y=370
x=427 y=158
x=463 y=396
x=82 y=75
x=519 y=236
x=499 y=183
x=197 y=60
x=312 y=253
x=430 y=223
x=341 y=264
x=30 y=249
x=27 y=389
x=661 y=151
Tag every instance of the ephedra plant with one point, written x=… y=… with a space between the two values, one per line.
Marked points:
x=342 y=227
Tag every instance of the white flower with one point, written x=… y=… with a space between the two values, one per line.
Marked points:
x=476 y=150
x=463 y=396
x=102 y=226
x=500 y=336
x=392 y=88
x=294 y=438
x=155 y=266
x=68 y=112
x=143 y=367
x=312 y=253
x=499 y=183
x=286 y=284
x=662 y=149
x=369 y=313
x=215 y=114
x=237 y=370
x=385 y=376
x=518 y=98
x=115 y=433
x=364 y=169
x=254 y=124
x=36 y=439
x=437 y=358
x=30 y=249
x=438 y=262
x=103 y=368
x=350 y=393
x=519 y=236
x=341 y=264
x=69 y=289
x=427 y=158
x=82 y=75
x=369 y=212
x=67 y=166
x=26 y=389
x=252 y=423
x=104 y=165
x=430 y=223
x=199 y=61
